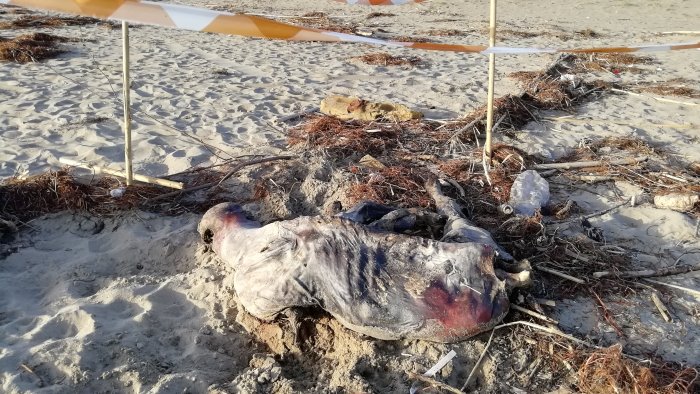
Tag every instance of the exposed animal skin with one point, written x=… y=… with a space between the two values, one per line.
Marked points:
x=375 y=282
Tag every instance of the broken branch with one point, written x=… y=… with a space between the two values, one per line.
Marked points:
x=687 y=290
x=478 y=362
x=586 y=164
x=660 y=307
x=534 y=314
x=681 y=269
x=433 y=382
x=561 y=275
x=235 y=169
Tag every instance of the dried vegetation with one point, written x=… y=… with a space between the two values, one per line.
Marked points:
x=40 y=21
x=615 y=63
x=444 y=32
x=24 y=199
x=606 y=371
x=668 y=88
x=372 y=15
x=31 y=47
x=321 y=21
x=385 y=59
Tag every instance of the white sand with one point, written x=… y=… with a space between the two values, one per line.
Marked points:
x=78 y=312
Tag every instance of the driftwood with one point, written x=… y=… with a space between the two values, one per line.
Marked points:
x=533 y=314
x=679 y=269
x=433 y=382
x=664 y=100
x=604 y=211
x=687 y=290
x=661 y=307
x=561 y=275
x=209 y=185
x=587 y=164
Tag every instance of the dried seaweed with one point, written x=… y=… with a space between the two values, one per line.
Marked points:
x=372 y=15
x=611 y=62
x=342 y=138
x=31 y=47
x=397 y=185
x=664 y=89
x=321 y=21
x=589 y=33
x=385 y=59
x=56 y=191
x=607 y=371
x=353 y=138
x=40 y=21
x=444 y=32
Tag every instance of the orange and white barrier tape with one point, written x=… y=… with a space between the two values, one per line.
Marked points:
x=202 y=19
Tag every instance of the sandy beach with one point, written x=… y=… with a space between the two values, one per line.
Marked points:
x=131 y=302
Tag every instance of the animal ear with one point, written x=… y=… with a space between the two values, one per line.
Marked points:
x=207 y=236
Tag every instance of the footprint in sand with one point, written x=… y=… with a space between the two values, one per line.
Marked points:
x=76 y=323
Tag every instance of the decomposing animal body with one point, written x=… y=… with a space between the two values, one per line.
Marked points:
x=373 y=280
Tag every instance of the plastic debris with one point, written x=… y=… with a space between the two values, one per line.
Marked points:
x=529 y=193
x=505 y=209
x=416 y=386
x=118 y=192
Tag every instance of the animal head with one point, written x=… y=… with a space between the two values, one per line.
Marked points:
x=221 y=219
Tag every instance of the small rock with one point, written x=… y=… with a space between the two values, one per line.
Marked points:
x=264 y=377
x=677 y=201
x=694 y=167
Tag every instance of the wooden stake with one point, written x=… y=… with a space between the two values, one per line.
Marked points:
x=492 y=72
x=127 y=105
x=137 y=177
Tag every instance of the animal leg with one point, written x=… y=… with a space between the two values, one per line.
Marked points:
x=458 y=228
x=402 y=220
x=366 y=212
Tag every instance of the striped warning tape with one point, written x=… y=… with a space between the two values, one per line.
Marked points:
x=202 y=19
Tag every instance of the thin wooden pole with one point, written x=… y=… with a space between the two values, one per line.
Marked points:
x=492 y=72
x=109 y=171
x=127 y=105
